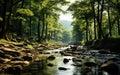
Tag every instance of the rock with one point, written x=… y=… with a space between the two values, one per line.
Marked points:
x=62 y=68
x=76 y=59
x=113 y=59
x=111 y=67
x=79 y=47
x=73 y=47
x=8 y=56
x=56 y=52
x=16 y=59
x=2 y=60
x=90 y=64
x=46 y=52
x=12 y=52
x=62 y=53
x=15 y=70
x=65 y=60
x=104 y=51
x=19 y=44
x=52 y=57
x=27 y=51
x=50 y=64
x=78 y=65
x=22 y=63
x=27 y=58
x=2 y=54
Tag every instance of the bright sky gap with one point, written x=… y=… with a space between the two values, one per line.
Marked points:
x=67 y=16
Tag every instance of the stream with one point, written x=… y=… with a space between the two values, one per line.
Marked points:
x=51 y=67
x=42 y=68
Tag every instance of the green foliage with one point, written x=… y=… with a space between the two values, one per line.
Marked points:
x=1 y=19
x=19 y=18
x=95 y=19
x=66 y=36
x=26 y=12
x=3 y=41
x=78 y=30
x=30 y=47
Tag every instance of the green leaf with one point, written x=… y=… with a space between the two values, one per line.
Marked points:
x=26 y=12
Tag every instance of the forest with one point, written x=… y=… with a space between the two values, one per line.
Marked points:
x=95 y=19
x=33 y=41
x=36 y=20
x=39 y=20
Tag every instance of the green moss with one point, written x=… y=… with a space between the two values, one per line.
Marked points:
x=3 y=41
x=30 y=47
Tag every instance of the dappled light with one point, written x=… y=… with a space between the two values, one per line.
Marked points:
x=59 y=37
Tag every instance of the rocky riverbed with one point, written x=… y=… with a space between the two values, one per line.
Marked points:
x=76 y=61
x=14 y=57
x=24 y=59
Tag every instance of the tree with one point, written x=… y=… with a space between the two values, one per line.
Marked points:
x=6 y=11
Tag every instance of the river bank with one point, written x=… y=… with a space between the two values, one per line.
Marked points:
x=23 y=58
x=111 y=44
x=15 y=56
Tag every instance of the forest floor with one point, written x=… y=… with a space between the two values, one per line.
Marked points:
x=112 y=44
x=14 y=56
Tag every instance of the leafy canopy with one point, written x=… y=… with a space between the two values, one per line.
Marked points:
x=26 y=12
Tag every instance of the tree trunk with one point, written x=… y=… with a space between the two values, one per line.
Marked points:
x=38 y=30
x=20 y=31
x=93 y=8
x=3 y=23
x=98 y=19
x=87 y=30
x=118 y=21
x=46 y=31
x=30 y=33
x=43 y=25
x=9 y=19
x=46 y=28
x=100 y=32
x=109 y=20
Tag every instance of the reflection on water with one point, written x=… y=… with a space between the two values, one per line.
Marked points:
x=42 y=68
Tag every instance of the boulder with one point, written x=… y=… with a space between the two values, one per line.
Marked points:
x=65 y=60
x=16 y=59
x=52 y=57
x=22 y=63
x=50 y=64
x=90 y=64
x=62 y=68
x=2 y=54
x=15 y=70
x=2 y=60
x=111 y=67
x=11 y=52
x=104 y=51
x=76 y=59
x=27 y=58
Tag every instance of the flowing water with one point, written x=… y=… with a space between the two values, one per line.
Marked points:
x=42 y=68
x=51 y=67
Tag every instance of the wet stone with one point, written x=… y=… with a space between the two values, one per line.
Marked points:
x=52 y=57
